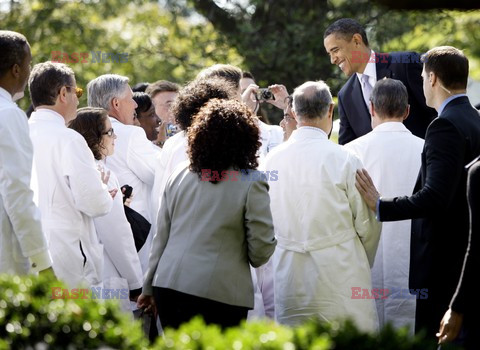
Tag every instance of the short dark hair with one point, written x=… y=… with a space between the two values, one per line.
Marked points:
x=12 y=50
x=161 y=86
x=140 y=87
x=226 y=71
x=449 y=64
x=46 y=80
x=195 y=94
x=390 y=98
x=143 y=101
x=224 y=134
x=346 y=28
x=90 y=123
x=247 y=75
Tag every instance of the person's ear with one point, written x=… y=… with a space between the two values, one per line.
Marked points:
x=115 y=103
x=16 y=70
x=432 y=77
x=62 y=95
x=357 y=39
x=372 y=109
x=407 y=113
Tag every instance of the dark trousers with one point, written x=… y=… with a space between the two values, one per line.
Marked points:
x=175 y=308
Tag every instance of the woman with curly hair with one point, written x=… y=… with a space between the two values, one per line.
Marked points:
x=122 y=268
x=210 y=228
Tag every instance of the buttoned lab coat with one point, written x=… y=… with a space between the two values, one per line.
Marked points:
x=21 y=236
x=392 y=156
x=134 y=164
x=122 y=269
x=70 y=194
x=327 y=236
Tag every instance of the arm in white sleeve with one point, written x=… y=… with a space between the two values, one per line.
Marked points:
x=115 y=233
x=89 y=192
x=366 y=225
x=16 y=156
x=142 y=156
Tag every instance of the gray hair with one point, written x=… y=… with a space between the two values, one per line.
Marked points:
x=312 y=100
x=103 y=89
x=390 y=98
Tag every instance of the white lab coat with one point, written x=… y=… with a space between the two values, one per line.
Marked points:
x=327 y=236
x=270 y=137
x=174 y=152
x=122 y=269
x=70 y=194
x=21 y=235
x=392 y=157
x=134 y=164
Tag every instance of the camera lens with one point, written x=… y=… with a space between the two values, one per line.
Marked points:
x=266 y=94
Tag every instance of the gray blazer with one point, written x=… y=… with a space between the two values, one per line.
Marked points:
x=207 y=234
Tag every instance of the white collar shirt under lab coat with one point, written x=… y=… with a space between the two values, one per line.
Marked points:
x=327 y=236
x=392 y=156
x=21 y=236
x=70 y=194
x=134 y=164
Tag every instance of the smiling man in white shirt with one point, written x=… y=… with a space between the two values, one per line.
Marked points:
x=68 y=185
x=23 y=246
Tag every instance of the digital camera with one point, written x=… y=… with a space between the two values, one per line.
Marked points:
x=264 y=95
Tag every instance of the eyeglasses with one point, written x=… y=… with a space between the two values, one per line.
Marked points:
x=109 y=132
x=78 y=91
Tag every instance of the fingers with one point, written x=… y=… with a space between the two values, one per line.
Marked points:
x=113 y=192
x=361 y=182
x=107 y=177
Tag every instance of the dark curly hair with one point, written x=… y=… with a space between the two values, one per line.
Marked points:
x=223 y=134
x=194 y=95
x=90 y=123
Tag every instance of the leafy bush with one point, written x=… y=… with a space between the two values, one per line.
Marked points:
x=30 y=317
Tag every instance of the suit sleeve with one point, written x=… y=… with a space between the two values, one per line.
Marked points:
x=465 y=296
x=90 y=194
x=444 y=147
x=159 y=243
x=261 y=241
x=345 y=134
x=142 y=156
x=16 y=157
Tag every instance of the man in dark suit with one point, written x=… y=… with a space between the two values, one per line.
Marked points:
x=465 y=303
x=438 y=206
x=347 y=45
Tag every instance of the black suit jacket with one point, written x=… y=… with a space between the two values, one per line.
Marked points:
x=439 y=205
x=355 y=119
x=466 y=296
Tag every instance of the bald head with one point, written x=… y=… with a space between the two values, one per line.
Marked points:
x=312 y=100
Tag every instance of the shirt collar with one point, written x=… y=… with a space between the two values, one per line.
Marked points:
x=370 y=70
x=48 y=114
x=391 y=126
x=304 y=132
x=4 y=93
x=446 y=101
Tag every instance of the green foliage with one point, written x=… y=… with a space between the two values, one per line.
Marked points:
x=29 y=316
x=160 y=44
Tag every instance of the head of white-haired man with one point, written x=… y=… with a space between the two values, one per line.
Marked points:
x=313 y=105
x=113 y=93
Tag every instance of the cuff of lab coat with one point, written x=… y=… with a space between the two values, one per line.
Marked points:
x=40 y=261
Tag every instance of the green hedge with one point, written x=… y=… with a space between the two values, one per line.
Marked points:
x=29 y=316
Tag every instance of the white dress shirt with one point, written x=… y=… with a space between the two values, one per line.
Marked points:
x=327 y=236
x=392 y=156
x=70 y=194
x=21 y=236
x=371 y=71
